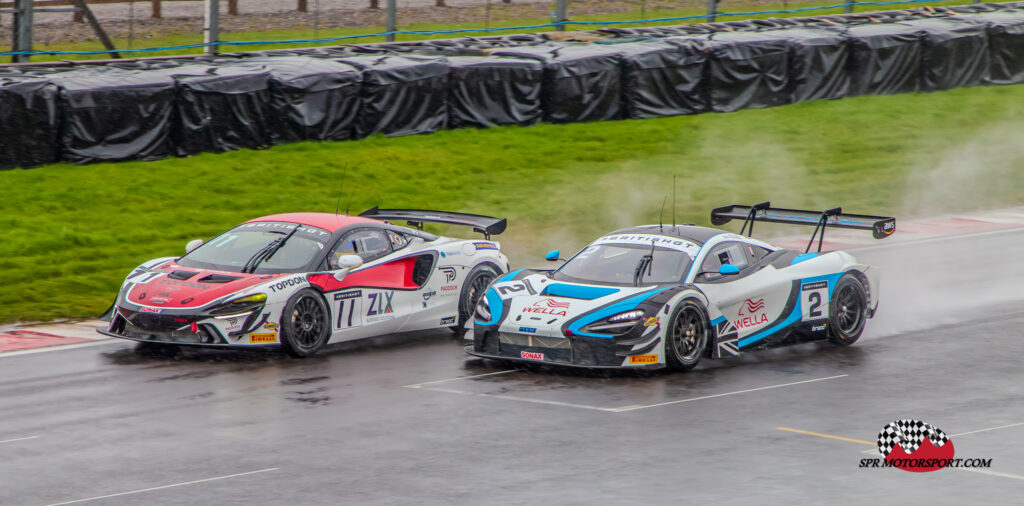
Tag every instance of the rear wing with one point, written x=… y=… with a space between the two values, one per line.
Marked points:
x=486 y=225
x=880 y=226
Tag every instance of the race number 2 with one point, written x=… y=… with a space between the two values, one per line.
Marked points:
x=814 y=300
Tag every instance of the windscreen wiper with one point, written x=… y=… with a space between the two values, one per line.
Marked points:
x=267 y=251
x=644 y=263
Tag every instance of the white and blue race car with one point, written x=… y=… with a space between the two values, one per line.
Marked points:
x=661 y=296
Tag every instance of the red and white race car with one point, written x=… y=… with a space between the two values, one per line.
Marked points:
x=303 y=280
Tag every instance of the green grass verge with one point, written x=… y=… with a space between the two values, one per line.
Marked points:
x=301 y=33
x=73 y=232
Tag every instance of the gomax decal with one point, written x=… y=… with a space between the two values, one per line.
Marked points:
x=814 y=300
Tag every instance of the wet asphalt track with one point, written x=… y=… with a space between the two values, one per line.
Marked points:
x=346 y=427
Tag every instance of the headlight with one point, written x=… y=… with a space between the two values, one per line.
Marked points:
x=628 y=316
x=240 y=307
x=617 y=324
x=483 y=309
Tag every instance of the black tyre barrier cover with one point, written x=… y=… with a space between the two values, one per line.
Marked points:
x=150 y=108
x=663 y=78
x=747 y=70
x=221 y=106
x=884 y=59
x=401 y=95
x=582 y=82
x=484 y=92
x=955 y=53
x=817 y=63
x=311 y=98
x=111 y=114
x=1006 y=45
x=29 y=134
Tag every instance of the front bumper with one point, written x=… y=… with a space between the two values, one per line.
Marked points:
x=573 y=351
x=185 y=328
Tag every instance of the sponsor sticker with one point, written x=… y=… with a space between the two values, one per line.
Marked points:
x=528 y=330
x=149 y=310
x=270 y=326
x=651 y=322
x=262 y=338
x=643 y=359
x=450 y=320
x=685 y=246
x=485 y=245
x=428 y=295
x=529 y=355
x=281 y=285
x=751 y=314
x=449 y=273
x=549 y=307
x=350 y=294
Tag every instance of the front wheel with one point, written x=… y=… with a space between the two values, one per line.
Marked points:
x=304 y=323
x=687 y=336
x=848 y=311
x=474 y=288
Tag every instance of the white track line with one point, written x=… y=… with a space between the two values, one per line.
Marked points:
x=990 y=473
x=988 y=429
x=18 y=439
x=420 y=385
x=165 y=486
x=609 y=410
x=634 y=408
x=926 y=240
x=59 y=347
x=520 y=399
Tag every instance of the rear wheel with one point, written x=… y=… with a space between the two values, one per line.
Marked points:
x=474 y=288
x=848 y=311
x=304 y=323
x=687 y=336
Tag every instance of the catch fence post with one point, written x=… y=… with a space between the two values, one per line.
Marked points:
x=712 y=10
x=389 y=23
x=303 y=6
x=233 y=7
x=156 y=12
x=211 y=26
x=561 y=10
x=23 y=11
x=849 y=6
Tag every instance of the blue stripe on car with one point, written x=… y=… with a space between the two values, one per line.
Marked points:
x=716 y=321
x=509 y=276
x=578 y=291
x=797 y=312
x=616 y=308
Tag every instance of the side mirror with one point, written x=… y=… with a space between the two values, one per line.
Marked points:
x=552 y=256
x=728 y=270
x=193 y=244
x=347 y=263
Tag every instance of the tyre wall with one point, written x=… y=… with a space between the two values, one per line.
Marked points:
x=150 y=109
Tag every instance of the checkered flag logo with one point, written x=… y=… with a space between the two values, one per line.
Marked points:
x=909 y=434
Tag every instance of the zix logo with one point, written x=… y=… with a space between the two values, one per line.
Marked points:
x=380 y=303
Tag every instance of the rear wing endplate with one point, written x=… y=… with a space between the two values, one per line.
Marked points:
x=486 y=225
x=880 y=226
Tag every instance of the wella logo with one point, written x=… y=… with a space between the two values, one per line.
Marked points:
x=755 y=312
x=549 y=307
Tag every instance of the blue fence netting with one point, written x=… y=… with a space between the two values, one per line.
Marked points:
x=566 y=23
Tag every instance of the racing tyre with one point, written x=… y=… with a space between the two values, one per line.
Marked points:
x=847 y=311
x=687 y=336
x=475 y=286
x=305 y=323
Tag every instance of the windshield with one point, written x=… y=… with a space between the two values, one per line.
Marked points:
x=231 y=250
x=616 y=264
